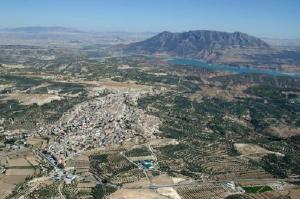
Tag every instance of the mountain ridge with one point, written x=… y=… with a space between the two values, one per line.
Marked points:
x=196 y=43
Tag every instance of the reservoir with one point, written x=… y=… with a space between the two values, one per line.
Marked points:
x=227 y=68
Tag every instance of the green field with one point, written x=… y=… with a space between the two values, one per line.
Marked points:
x=257 y=189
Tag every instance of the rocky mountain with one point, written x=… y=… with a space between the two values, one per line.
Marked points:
x=196 y=44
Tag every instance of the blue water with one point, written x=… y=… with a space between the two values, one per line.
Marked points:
x=227 y=68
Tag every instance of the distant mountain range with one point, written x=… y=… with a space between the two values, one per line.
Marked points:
x=237 y=49
x=41 y=29
x=195 y=44
x=283 y=42
x=63 y=36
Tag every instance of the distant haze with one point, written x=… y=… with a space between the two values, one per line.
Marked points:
x=267 y=18
x=282 y=41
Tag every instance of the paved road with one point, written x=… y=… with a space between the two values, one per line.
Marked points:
x=186 y=183
x=37 y=152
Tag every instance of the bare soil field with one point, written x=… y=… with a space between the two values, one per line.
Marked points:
x=136 y=194
x=28 y=99
x=109 y=84
x=79 y=162
x=294 y=193
x=13 y=179
x=283 y=131
x=37 y=142
x=22 y=159
x=104 y=83
x=43 y=85
x=169 y=192
x=15 y=162
x=141 y=158
x=5 y=189
x=163 y=179
x=15 y=66
x=138 y=184
x=20 y=166
x=122 y=85
x=124 y=67
x=252 y=149
x=86 y=186
x=4 y=86
x=20 y=172
x=177 y=180
x=211 y=92
x=9 y=182
x=163 y=142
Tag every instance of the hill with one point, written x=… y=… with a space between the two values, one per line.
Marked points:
x=196 y=44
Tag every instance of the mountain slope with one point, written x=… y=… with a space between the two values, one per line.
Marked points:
x=198 y=44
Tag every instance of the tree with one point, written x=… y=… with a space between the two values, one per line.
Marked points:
x=60 y=165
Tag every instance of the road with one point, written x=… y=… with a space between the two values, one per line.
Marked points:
x=145 y=173
x=59 y=190
x=185 y=183
x=152 y=152
x=99 y=180
x=43 y=156
x=257 y=181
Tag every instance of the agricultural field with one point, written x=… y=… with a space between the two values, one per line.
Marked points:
x=257 y=189
x=204 y=191
x=218 y=125
x=48 y=191
x=99 y=118
x=115 y=168
x=20 y=167
x=288 y=194
x=31 y=102
x=139 y=151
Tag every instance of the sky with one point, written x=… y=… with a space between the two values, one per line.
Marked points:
x=263 y=18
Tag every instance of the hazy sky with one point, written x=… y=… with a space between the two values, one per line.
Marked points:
x=269 y=18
